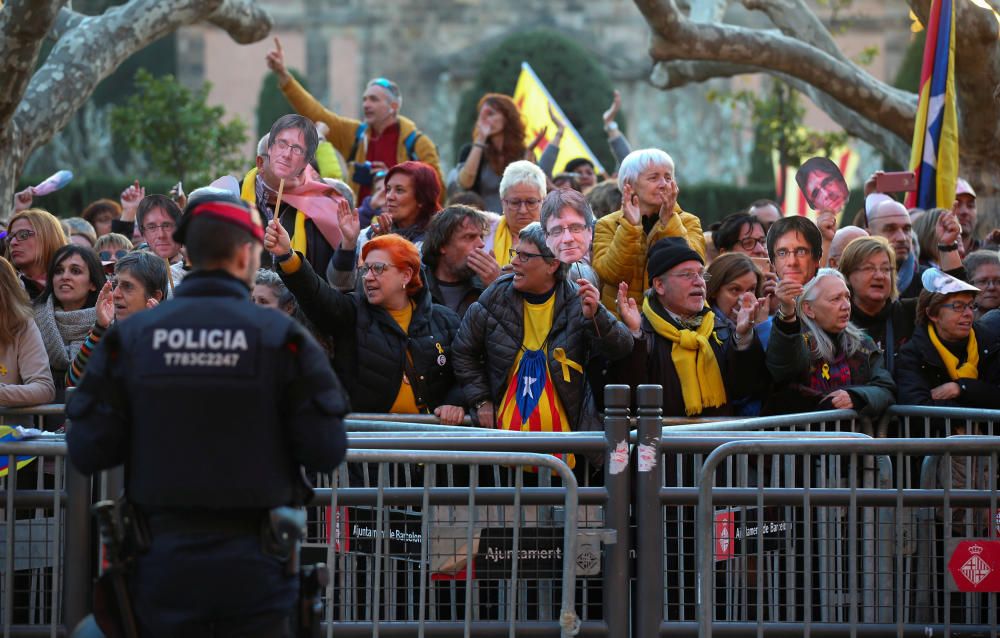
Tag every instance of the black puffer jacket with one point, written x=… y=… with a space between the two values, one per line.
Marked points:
x=370 y=346
x=492 y=333
x=919 y=369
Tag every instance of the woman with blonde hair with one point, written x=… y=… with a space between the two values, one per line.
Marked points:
x=33 y=236
x=869 y=265
x=25 y=378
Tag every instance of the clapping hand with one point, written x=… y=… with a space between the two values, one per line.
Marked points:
x=105 y=305
x=628 y=309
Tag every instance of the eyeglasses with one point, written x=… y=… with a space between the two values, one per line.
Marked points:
x=106 y=255
x=116 y=283
x=297 y=150
x=523 y=256
x=574 y=229
x=526 y=203
x=690 y=276
x=167 y=227
x=376 y=267
x=986 y=283
x=868 y=271
x=961 y=306
x=749 y=243
x=785 y=253
x=21 y=235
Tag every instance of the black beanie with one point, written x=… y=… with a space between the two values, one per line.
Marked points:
x=667 y=253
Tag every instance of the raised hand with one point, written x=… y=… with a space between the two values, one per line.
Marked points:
x=612 y=112
x=628 y=309
x=669 y=201
x=22 y=200
x=350 y=224
x=787 y=291
x=590 y=299
x=747 y=314
x=130 y=199
x=560 y=125
x=827 y=222
x=947 y=229
x=276 y=60
x=276 y=239
x=105 y=306
x=630 y=205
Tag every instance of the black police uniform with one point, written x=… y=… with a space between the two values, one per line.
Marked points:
x=214 y=405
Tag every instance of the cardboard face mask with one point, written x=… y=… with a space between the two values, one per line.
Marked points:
x=823 y=185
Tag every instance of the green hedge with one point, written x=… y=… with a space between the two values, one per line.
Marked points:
x=71 y=200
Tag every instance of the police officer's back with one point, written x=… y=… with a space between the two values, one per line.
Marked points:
x=214 y=405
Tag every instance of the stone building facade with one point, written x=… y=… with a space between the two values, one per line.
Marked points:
x=432 y=49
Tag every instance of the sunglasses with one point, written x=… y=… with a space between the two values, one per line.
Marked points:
x=106 y=255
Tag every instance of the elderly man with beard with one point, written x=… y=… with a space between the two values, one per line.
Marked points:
x=456 y=266
x=649 y=213
x=676 y=342
x=287 y=150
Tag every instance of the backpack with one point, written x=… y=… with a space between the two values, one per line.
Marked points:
x=410 y=143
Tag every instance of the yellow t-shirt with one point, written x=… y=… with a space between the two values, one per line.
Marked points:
x=405 y=402
x=502 y=243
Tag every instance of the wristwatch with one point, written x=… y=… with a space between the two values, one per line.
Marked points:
x=783 y=317
x=283 y=258
x=948 y=248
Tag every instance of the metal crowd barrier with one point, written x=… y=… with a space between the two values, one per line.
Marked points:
x=453 y=530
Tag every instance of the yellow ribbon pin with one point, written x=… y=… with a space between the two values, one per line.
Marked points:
x=439 y=348
x=826 y=371
x=3 y=370
x=560 y=355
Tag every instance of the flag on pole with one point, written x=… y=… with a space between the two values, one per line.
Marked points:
x=793 y=202
x=934 y=156
x=533 y=99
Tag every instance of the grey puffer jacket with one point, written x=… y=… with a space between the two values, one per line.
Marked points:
x=492 y=332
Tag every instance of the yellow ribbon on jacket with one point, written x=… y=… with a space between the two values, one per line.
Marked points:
x=694 y=360
x=969 y=369
x=248 y=193
x=502 y=242
x=560 y=355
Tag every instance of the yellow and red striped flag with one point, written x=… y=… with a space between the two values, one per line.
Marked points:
x=534 y=100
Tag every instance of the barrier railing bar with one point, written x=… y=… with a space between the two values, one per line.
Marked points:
x=617 y=479
x=650 y=573
x=971 y=445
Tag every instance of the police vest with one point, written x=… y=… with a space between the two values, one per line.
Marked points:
x=202 y=373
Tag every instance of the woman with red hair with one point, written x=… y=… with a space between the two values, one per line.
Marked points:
x=412 y=197
x=392 y=345
x=497 y=140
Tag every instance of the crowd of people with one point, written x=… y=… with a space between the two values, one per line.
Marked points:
x=502 y=292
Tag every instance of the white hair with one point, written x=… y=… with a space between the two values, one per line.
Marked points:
x=850 y=340
x=262 y=145
x=637 y=161
x=522 y=172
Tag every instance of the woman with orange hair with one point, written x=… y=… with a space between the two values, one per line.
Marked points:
x=392 y=345
x=33 y=236
x=497 y=140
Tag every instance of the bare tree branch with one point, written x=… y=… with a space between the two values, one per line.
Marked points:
x=243 y=20
x=97 y=45
x=667 y=75
x=66 y=21
x=23 y=25
x=676 y=38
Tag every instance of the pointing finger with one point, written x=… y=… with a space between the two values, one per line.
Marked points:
x=277 y=44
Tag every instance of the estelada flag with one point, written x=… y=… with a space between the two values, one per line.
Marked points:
x=794 y=202
x=534 y=99
x=934 y=155
x=9 y=434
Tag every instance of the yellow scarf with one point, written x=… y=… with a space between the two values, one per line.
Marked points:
x=248 y=193
x=969 y=369
x=694 y=360
x=502 y=241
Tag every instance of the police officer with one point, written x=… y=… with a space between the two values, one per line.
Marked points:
x=215 y=406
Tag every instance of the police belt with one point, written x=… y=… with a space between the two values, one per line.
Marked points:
x=237 y=522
